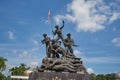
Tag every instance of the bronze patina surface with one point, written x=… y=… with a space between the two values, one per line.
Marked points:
x=60 y=62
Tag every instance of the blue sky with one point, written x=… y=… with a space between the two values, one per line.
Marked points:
x=94 y=25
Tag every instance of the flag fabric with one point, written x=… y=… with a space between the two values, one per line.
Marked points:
x=49 y=15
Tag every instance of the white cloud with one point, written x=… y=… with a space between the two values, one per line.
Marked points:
x=33 y=63
x=35 y=42
x=90 y=70
x=29 y=54
x=89 y=15
x=29 y=58
x=34 y=49
x=114 y=17
x=25 y=54
x=58 y=18
x=14 y=51
x=85 y=17
x=116 y=41
x=76 y=52
x=11 y=35
x=99 y=60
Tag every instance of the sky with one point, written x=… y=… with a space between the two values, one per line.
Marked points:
x=93 y=24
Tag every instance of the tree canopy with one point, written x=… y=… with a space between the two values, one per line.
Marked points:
x=2 y=67
x=2 y=63
x=103 y=76
x=19 y=70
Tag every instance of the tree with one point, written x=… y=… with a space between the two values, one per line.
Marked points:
x=2 y=76
x=2 y=64
x=93 y=76
x=2 y=67
x=103 y=76
x=100 y=77
x=110 y=76
x=19 y=70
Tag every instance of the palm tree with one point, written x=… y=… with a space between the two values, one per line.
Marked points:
x=19 y=70
x=2 y=77
x=2 y=63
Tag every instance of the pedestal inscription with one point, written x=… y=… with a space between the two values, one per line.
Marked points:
x=58 y=76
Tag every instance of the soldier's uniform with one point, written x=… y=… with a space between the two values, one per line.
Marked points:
x=58 y=31
x=68 y=42
x=46 y=41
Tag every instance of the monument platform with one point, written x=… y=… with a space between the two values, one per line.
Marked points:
x=58 y=76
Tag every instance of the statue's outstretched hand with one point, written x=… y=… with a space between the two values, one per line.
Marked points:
x=63 y=22
x=53 y=32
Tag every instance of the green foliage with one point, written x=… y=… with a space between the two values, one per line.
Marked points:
x=2 y=64
x=19 y=70
x=93 y=76
x=2 y=68
x=103 y=76
x=110 y=76
x=2 y=76
x=100 y=77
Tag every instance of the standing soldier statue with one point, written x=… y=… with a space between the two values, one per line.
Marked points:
x=46 y=41
x=68 y=42
x=58 y=31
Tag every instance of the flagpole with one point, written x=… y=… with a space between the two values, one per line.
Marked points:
x=50 y=21
x=52 y=28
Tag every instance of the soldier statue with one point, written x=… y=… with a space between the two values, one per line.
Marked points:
x=61 y=59
x=58 y=31
x=69 y=42
x=56 y=49
x=46 y=41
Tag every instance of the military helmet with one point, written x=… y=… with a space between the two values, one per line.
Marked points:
x=56 y=26
x=68 y=34
x=44 y=34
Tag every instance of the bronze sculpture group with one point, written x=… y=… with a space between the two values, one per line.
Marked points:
x=59 y=54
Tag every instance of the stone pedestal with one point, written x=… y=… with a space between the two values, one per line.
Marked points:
x=58 y=76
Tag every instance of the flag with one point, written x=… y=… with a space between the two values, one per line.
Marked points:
x=49 y=15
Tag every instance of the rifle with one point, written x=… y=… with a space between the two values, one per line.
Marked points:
x=76 y=45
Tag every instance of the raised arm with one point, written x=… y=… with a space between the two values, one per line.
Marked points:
x=54 y=32
x=62 y=25
x=43 y=41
